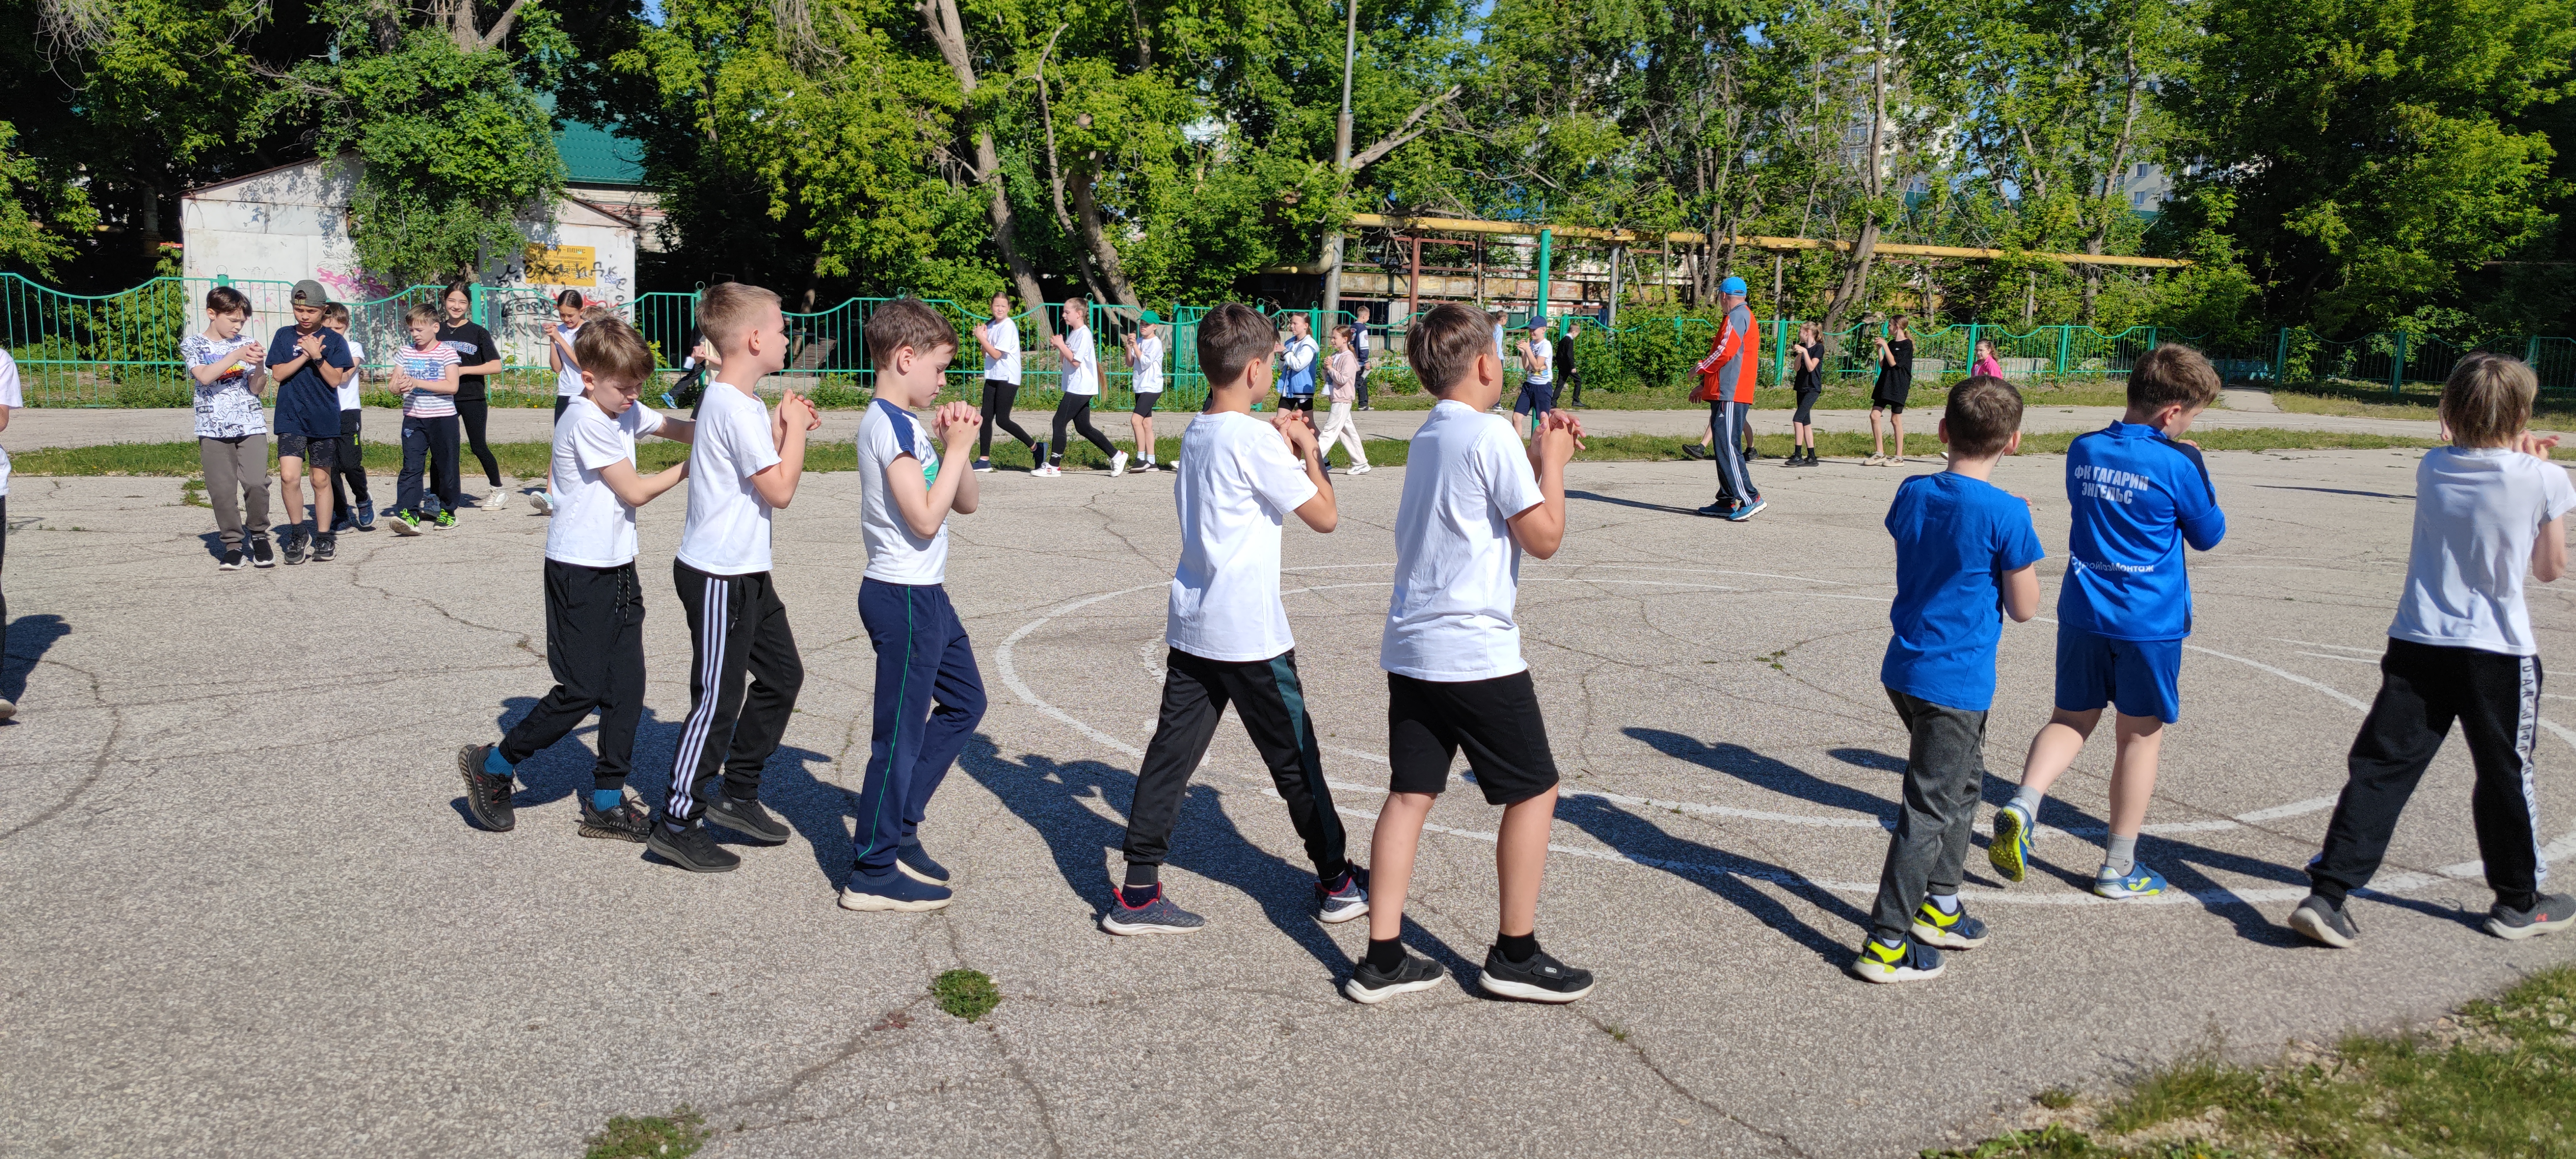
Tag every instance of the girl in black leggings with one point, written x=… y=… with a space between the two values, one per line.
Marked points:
x=1000 y=339
x=479 y=357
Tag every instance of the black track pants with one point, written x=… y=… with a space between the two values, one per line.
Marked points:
x=1076 y=409
x=998 y=397
x=595 y=646
x=1272 y=705
x=737 y=627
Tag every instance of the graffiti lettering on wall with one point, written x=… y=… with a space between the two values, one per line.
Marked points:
x=562 y=265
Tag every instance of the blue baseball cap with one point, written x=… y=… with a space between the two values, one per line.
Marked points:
x=1733 y=286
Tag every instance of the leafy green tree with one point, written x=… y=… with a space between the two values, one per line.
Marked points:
x=42 y=215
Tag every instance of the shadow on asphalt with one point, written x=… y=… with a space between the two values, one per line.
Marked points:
x=30 y=637
x=1637 y=837
x=1636 y=503
x=1780 y=777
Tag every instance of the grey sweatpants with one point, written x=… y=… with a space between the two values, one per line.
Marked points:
x=1945 y=768
x=237 y=484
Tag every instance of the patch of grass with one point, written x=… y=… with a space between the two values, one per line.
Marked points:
x=673 y=1136
x=968 y=994
x=2498 y=1078
x=192 y=493
x=2055 y=1098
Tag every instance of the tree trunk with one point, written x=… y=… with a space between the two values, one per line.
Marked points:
x=1855 y=280
x=1095 y=239
x=939 y=18
x=149 y=222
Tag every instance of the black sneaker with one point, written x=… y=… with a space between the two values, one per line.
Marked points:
x=627 y=820
x=1541 y=979
x=1369 y=986
x=296 y=551
x=2319 y=920
x=2547 y=915
x=487 y=797
x=1692 y=452
x=691 y=849
x=232 y=560
x=747 y=817
x=261 y=554
x=325 y=546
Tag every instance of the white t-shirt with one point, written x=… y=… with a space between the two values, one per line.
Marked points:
x=2476 y=515
x=1149 y=365
x=1082 y=375
x=11 y=398
x=592 y=527
x=1457 y=569
x=890 y=437
x=350 y=386
x=727 y=532
x=1003 y=365
x=1542 y=361
x=568 y=379
x=1238 y=483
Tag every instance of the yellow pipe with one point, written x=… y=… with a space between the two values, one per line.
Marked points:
x=1471 y=225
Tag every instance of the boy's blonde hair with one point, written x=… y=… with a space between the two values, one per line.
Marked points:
x=2488 y=399
x=610 y=349
x=2172 y=374
x=726 y=309
x=1442 y=344
x=419 y=312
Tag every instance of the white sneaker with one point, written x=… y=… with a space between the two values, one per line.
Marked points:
x=1361 y=469
x=495 y=499
x=7 y=710
x=1118 y=464
x=543 y=501
x=1049 y=471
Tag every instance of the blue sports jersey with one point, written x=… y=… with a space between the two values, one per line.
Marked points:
x=1956 y=538
x=2138 y=498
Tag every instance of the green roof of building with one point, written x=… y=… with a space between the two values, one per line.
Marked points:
x=593 y=155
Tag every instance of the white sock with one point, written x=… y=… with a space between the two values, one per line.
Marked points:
x=2028 y=798
x=1948 y=902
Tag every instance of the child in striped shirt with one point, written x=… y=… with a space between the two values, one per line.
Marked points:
x=425 y=373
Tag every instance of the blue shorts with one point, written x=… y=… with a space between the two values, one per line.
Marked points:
x=2139 y=677
x=1535 y=398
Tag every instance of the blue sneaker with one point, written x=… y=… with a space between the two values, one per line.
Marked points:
x=2140 y=882
x=1950 y=931
x=1883 y=963
x=1334 y=906
x=912 y=862
x=367 y=516
x=1158 y=916
x=892 y=893
x=1746 y=511
x=2009 y=852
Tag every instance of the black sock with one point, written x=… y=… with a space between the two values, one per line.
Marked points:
x=1517 y=948
x=1338 y=881
x=1141 y=884
x=1385 y=956
x=2518 y=901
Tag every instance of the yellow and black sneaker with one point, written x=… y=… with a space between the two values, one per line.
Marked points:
x=2009 y=852
x=1910 y=962
x=1950 y=931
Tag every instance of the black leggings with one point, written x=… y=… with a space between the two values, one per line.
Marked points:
x=470 y=411
x=1076 y=409
x=998 y=397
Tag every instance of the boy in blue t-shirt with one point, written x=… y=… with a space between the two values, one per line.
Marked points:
x=2139 y=494
x=1965 y=549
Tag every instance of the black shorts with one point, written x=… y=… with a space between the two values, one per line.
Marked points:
x=1304 y=402
x=1894 y=406
x=1495 y=720
x=314 y=452
x=1806 y=400
x=1145 y=403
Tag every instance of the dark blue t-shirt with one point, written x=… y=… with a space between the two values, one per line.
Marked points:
x=307 y=405
x=2138 y=497
x=1956 y=538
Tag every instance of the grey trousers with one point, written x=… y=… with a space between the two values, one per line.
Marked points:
x=237 y=484
x=1945 y=769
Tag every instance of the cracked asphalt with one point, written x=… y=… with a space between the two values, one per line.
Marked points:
x=250 y=918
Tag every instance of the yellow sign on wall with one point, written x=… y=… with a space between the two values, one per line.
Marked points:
x=561 y=265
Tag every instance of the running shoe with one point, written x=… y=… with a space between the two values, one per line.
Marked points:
x=1746 y=511
x=1118 y=464
x=627 y=820
x=914 y=862
x=2009 y=852
x=326 y=546
x=692 y=848
x=2319 y=920
x=495 y=499
x=367 y=516
x=543 y=501
x=261 y=554
x=1720 y=510
x=1950 y=931
x=1911 y=962
x=983 y=466
x=296 y=551
x=1692 y=452
x=2548 y=915
x=1370 y=986
x=232 y=560
x=487 y=795
x=1335 y=906
x=1540 y=979
x=2140 y=881
x=405 y=523
x=1050 y=471
x=1157 y=916
x=8 y=709
x=746 y=816
x=445 y=521
x=892 y=892
x=1362 y=469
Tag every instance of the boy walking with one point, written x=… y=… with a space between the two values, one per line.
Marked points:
x=1474 y=501
x=309 y=361
x=2461 y=648
x=232 y=432
x=929 y=694
x=352 y=462
x=594 y=603
x=426 y=374
x=1964 y=548
x=744 y=463
x=2139 y=494
x=1240 y=478
x=1538 y=381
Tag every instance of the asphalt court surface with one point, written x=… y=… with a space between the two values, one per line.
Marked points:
x=249 y=918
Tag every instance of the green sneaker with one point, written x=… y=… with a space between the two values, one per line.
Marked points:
x=1950 y=931
x=1911 y=962
x=405 y=523
x=445 y=520
x=2010 y=850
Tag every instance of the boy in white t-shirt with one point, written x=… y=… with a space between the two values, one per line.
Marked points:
x=744 y=463
x=1474 y=501
x=1081 y=379
x=2488 y=508
x=351 y=478
x=929 y=694
x=1145 y=359
x=1240 y=478
x=594 y=603
x=232 y=433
